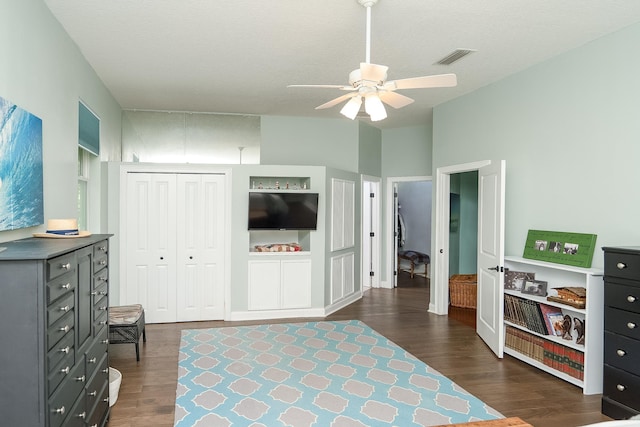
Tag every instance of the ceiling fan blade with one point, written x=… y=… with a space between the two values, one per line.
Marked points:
x=373 y=72
x=438 y=80
x=336 y=101
x=394 y=99
x=341 y=87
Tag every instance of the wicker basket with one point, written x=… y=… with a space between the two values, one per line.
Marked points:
x=462 y=290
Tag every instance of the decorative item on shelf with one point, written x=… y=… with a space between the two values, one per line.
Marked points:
x=277 y=185
x=556 y=319
x=514 y=280
x=575 y=296
x=561 y=248
x=579 y=327
x=535 y=287
x=279 y=247
x=62 y=229
x=566 y=328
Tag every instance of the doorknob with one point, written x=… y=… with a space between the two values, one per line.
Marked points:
x=496 y=268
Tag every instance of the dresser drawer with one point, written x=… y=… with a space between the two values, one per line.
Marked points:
x=63 y=400
x=61 y=285
x=78 y=414
x=59 y=329
x=622 y=352
x=100 y=262
x=98 y=382
x=60 y=307
x=623 y=265
x=99 y=291
x=63 y=264
x=622 y=387
x=97 y=351
x=61 y=349
x=99 y=410
x=100 y=307
x=100 y=248
x=622 y=296
x=60 y=372
x=101 y=278
x=622 y=322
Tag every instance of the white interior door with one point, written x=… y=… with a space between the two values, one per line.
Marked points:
x=150 y=224
x=490 y=301
x=200 y=251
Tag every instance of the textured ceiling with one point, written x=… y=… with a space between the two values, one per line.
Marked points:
x=238 y=56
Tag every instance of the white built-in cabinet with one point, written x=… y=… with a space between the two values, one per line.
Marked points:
x=173 y=245
x=279 y=282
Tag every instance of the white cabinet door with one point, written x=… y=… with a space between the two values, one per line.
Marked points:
x=264 y=285
x=174 y=246
x=296 y=283
x=149 y=242
x=200 y=247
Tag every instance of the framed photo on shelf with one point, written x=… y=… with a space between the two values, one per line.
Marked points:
x=535 y=287
x=514 y=280
x=574 y=249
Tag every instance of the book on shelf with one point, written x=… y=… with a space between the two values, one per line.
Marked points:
x=530 y=314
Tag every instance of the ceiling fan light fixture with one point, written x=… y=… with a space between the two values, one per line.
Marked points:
x=351 y=108
x=374 y=108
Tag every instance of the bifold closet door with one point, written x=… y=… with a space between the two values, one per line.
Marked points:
x=200 y=247
x=150 y=245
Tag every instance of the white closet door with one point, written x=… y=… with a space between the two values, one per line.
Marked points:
x=150 y=245
x=200 y=247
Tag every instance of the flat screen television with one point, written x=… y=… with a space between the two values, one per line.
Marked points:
x=283 y=211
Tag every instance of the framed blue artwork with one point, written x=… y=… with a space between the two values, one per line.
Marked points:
x=21 y=187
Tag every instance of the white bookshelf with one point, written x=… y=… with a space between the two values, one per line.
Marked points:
x=559 y=275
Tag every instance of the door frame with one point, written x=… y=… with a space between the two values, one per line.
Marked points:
x=371 y=256
x=391 y=246
x=121 y=198
x=439 y=301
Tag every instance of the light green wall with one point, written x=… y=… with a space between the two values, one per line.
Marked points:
x=370 y=150
x=568 y=129
x=43 y=72
x=407 y=151
x=309 y=141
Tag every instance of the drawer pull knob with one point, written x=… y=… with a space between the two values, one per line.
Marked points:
x=65 y=370
x=105 y=371
x=65 y=350
x=92 y=360
x=67 y=286
x=65 y=328
x=82 y=415
x=105 y=341
x=103 y=248
x=102 y=292
x=620 y=387
x=631 y=298
x=621 y=353
x=94 y=425
x=103 y=262
x=65 y=308
x=81 y=379
x=104 y=279
x=66 y=266
x=631 y=325
x=621 y=265
x=93 y=393
x=105 y=400
x=94 y=293
x=103 y=308
x=60 y=410
x=103 y=322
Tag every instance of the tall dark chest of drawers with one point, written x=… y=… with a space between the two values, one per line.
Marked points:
x=54 y=364
x=621 y=385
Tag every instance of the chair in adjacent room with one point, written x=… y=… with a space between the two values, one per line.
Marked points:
x=126 y=326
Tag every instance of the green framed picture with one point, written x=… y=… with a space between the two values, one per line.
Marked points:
x=561 y=248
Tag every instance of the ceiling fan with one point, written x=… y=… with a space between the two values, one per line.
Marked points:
x=369 y=83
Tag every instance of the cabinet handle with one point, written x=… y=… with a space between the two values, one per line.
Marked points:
x=103 y=322
x=105 y=400
x=92 y=360
x=102 y=248
x=631 y=325
x=620 y=387
x=82 y=415
x=64 y=329
x=65 y=308
x=66 y=266
x=621 y=353
x=621 y=265
x=60 y=410
x=102 y=292
x=65 y=370
x=103 y=308
x=65 y=350
x=67 y=286
x=94 y=293
x=103 y=262
x=105 y=341
x=103 y=278
x=105 y=371
x=631 y=298
x=93 y=393
x=81 y=379
x=94 y=425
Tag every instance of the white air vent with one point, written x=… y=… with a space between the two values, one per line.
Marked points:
x=454 y=56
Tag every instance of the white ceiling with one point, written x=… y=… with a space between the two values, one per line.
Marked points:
x=238 y=56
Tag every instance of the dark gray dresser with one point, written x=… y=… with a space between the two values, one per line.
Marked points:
x=621 y=385
x=54 y=364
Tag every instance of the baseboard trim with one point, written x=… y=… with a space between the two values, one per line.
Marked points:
x=276 y=314
x=342 y=303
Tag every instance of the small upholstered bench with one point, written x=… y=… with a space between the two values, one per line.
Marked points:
x=126 y=326
x=415 y=258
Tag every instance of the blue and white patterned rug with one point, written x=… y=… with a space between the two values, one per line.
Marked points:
x=334 y=374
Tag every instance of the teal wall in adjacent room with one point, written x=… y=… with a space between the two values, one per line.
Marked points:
x=568 y=129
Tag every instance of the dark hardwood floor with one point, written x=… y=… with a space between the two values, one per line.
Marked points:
x=147 y=394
